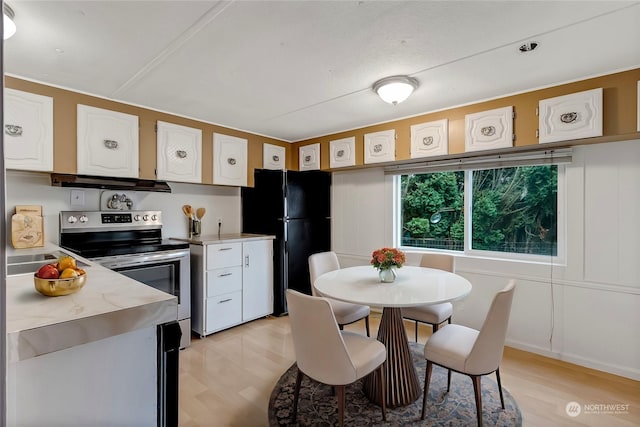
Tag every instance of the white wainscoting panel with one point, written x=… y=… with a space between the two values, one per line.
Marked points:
x=358 y=211
x=612 y=209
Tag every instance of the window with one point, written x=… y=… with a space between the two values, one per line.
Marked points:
x=515 y=210
x=508 y=209
x=432 y=206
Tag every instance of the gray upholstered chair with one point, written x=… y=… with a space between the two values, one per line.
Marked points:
x=471 y=352
x=434 y=314
x=328 y=355
x=345 y=312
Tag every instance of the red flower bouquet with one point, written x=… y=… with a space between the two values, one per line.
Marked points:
x=385 y=258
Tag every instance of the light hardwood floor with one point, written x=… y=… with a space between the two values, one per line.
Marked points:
x=226 y=380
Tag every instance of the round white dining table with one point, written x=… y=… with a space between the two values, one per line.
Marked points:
x=413 y=286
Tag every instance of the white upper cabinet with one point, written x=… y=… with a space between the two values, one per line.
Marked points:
x=430 y=139
x=380 y=146
x=573 y=116
x=488 y=130
x=342 y=152
x=309 y=157
x=179 y=153
x=107 y=143
x=273 y=157
x=229 y=160
x=28 y=131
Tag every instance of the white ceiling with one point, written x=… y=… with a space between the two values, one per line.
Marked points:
x=293 y=70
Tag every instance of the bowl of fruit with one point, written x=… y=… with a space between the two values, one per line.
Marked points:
x=60 y=278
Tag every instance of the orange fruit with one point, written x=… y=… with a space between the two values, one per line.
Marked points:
x=68 y=273
x=65 y=262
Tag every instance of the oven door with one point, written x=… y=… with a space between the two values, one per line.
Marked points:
x=168 y=271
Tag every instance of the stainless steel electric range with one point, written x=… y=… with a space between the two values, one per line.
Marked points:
x=131 y=243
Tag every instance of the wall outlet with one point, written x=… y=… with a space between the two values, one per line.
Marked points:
x=77 y=198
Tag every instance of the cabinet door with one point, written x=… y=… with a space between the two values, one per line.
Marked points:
x=107 y=143
x=380 y=146
x=28 y=131
x=229 y=160
x=257 y=279
x=179 y=153
x=273 y=157
x=342 y=152
x=574 y=116
x=488 y=130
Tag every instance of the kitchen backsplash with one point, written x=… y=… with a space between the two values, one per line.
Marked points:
x=33 y=188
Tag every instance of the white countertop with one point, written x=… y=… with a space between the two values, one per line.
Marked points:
x=207 y=239
x=413 y=286
x=109 y=304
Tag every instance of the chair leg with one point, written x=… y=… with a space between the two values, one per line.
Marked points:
x=366 y=325
x=296 y=394
x=384 y=393
x=427 y=378
x=340 y=405
x=448 y=380
x=341 y=327
x=500 y=387
x=416 y=331
x=477 y=389
x=435 y=327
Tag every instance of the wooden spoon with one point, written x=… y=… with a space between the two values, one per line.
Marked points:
x=185 y=210
x=200 y=212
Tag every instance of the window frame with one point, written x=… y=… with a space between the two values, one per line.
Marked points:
x=559 y=258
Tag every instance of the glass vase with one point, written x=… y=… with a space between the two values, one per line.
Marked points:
x=387 y=275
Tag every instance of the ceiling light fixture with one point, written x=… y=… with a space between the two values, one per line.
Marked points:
x=8 y=24
x=395 y=89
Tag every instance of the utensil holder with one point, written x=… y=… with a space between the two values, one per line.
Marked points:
x=195 y=227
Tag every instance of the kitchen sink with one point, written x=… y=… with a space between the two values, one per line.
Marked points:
x=20 y=259
x=23 y=264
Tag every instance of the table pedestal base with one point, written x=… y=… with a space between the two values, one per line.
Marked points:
x=402 y=386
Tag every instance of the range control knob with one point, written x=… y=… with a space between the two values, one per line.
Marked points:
x=72 y=219
x=84 y=218
x=136 y=218
x=154 y=217
x=145 y=218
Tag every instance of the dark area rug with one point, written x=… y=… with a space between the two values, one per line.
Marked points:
x=318 y=406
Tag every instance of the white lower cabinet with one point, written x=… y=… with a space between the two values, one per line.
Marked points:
x=232 y=283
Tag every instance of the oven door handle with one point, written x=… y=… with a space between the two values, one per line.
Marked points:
x=140 y=259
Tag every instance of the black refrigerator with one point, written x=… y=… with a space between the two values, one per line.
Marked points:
x=296 y=208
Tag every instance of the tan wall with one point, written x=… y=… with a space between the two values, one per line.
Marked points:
x=65 y=126
x=619 y=105
x=619 y=122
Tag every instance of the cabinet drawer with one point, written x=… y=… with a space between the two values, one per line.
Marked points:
x=224 y=311
x=224 y=280
x=224 y=255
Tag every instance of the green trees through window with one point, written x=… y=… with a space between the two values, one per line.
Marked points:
x=512 y=210
x=433 y=210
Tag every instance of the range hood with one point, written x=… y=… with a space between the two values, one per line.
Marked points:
x=107 y=183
